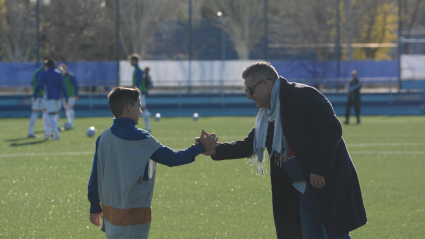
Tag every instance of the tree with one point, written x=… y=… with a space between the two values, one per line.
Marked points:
x=412 y=10
x=377 y=25
x=76 y=30
x=307 y=25
x=17 y=29
x=140 y=20
x=243 y=22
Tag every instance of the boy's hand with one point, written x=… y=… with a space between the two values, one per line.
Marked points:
x=95 y=218
x=208 y=140
x=209 y=152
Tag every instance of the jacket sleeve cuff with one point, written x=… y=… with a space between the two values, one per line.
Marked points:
x=217 y=156
x=95 y=207
x=198 y=149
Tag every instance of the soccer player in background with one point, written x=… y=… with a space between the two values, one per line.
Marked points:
x=71 y=86
x=122 y=180
x=148 y=80
x=140 y=82
x=37 y=104
x=52 y=80
x=353 y=97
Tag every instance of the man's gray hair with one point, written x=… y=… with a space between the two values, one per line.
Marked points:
x=260 y=70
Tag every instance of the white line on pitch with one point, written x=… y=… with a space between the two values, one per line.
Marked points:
x=385 y=144
x=387 y=152
x=92 y=153
x=45 y=154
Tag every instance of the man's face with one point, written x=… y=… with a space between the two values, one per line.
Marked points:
x=261 y=92
x=135 y=111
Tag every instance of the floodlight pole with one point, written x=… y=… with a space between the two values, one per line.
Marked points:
x=338 y=49
x=400 y=44
x=117 y=17
x=223 y=40
x=37 y=30
x=189 y=49
x=266 y=42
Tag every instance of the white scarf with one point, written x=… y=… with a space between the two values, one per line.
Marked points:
x=264 y=117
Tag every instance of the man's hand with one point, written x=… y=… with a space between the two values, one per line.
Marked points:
x=208 y=140
x=317 y=181
x=95 y=218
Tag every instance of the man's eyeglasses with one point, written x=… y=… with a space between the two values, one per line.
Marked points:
x=250 y=89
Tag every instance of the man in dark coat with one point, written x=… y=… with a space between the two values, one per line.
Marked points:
x=353 y=97
x=315 y=189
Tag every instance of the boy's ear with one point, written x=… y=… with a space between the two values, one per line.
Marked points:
x=128 y=108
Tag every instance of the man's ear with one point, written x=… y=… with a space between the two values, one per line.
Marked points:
x=268 y=85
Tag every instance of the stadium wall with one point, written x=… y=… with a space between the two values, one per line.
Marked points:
x=173 y=105
x=169 y=73
x=173 y=73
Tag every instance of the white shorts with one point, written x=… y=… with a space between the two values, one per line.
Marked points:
x=71 y=102
x=52 y=106
x=143 y=100
x=38 y=104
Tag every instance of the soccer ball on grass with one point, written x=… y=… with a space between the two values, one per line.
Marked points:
x=91 y=131
x=157 y=116
x=195 y=116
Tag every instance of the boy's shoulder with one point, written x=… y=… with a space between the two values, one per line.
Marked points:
x=135 y=134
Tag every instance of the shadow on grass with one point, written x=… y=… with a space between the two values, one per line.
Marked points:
x=23 y=138
x=29 y=143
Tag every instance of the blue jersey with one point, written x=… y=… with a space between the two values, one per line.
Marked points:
x=138 y=79
x=54 y=84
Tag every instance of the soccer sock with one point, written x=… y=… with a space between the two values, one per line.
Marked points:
x=72 y=116
x=146 y=119
x=54 y=125
x=33 y=118
x=48 y=130
x=45 y=120
x=68 y=115
x=57 y=118
x=146 y=111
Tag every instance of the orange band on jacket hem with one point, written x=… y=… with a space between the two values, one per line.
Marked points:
x=127 y=217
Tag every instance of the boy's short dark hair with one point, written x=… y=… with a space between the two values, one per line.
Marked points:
x=120 y=97
x=50 y=63
x=260 y=69
x=134 y=57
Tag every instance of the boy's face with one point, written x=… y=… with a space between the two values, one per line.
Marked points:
x=133 y=62
x=134 y=111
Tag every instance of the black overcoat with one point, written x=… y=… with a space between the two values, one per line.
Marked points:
x=314 y=133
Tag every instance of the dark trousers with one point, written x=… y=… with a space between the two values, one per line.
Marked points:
x=285 y=204
x=356 y=105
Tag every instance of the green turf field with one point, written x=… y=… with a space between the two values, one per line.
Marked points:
x=44 y=183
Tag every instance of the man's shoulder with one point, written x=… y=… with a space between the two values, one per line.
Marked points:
x=297 y=87
x=299 y=91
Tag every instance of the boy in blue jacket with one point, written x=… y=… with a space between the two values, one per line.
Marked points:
x=122 y=179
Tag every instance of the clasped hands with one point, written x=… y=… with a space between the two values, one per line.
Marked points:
x=210 y=142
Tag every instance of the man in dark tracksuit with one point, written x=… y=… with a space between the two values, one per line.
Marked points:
x=353 y=98
x=330 y=203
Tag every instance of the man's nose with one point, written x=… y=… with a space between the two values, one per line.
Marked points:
x=248 y=96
